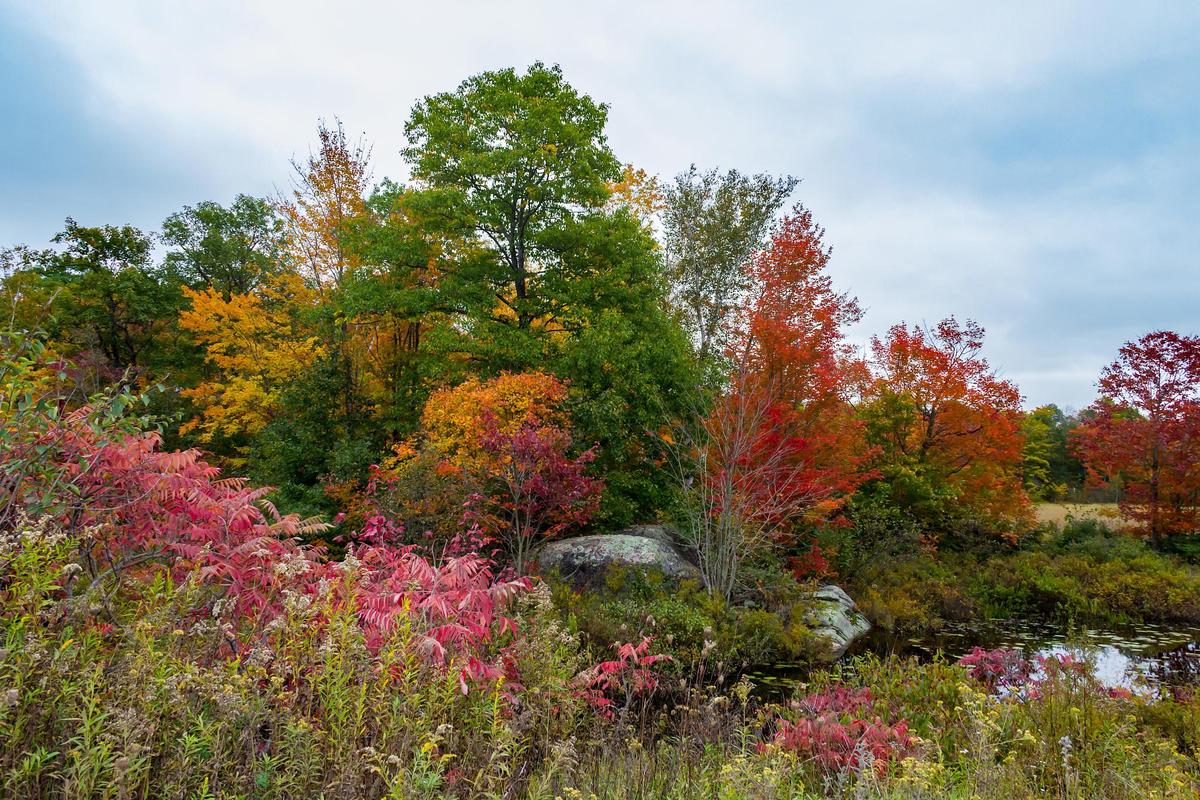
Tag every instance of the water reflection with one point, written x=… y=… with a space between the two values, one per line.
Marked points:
x=1134 y=657
x=1142 y=658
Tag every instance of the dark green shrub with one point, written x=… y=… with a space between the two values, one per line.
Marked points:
x=1145 y=587
x=1186 y=547
x=912 y=596
x=877 y=535
x=1094 y=539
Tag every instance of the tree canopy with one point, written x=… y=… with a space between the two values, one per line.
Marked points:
x=306 y=336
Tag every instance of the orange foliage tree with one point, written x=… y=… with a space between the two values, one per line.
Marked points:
x=327 y=197
x=1144 y=432
x=947 y=427
x=454 y=419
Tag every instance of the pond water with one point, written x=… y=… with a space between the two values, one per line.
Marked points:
x=1141 y=658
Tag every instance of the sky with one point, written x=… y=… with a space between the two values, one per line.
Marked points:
x=1032 y=166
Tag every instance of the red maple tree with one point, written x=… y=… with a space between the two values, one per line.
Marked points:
x=791 y=332
x=781 y=445
x=1143 y=433
x=790 y=345
x=754 y=480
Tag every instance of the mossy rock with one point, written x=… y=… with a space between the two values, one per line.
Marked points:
x=835 y=619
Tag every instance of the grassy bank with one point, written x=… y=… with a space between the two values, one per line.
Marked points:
x=1086 y=573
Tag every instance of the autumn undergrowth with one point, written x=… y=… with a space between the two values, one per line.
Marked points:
x=150 y=702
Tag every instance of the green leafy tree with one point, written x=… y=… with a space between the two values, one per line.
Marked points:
x=401 y=301
x=229 y=249
x=521 y=158
x=1049 y=467
x=543 y=272
x=102 y=293
x=317 y=437
x=1035 y=457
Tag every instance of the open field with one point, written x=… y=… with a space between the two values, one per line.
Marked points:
x=1058 y=512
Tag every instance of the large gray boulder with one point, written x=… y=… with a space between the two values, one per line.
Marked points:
x=663 y=533
x=585 y=559
x=834 y=617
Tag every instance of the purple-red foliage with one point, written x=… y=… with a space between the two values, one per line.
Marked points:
x=998 y=669
x=628 y=676
x=840 y=731
x=535 y=490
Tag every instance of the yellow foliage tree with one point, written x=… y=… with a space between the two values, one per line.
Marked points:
x=328 y=194
x=255 y=345
x=637 y=191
